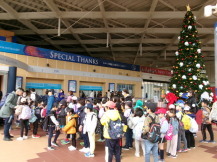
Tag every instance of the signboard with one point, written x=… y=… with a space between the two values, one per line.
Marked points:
x=112 y=87
x=43 y=85
x=155 y=71
x=72 y=85
x=62 y=56
x=90 y=88
x=19 y=82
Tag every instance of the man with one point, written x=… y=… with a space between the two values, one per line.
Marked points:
x=92 y=95
x=50 y=101
x=7 y=112
x=149 y=146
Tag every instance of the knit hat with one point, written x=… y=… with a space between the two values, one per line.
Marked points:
x=139 y=104
x=74 y=98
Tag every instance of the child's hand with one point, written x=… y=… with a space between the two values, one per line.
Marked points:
x=80 y=128
x=57 y=127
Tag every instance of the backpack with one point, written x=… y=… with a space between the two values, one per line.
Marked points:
x=38 y=98
x=154 y=133
x=194 y=126
x=38 y=111
x=137 y=130
x=26 y=113
x=169 y=134
x=33 y=117
x=2 y=102
x=18 y=110
x=45 y=123
x=186 y=120
x=213 y=113
x=115 y=129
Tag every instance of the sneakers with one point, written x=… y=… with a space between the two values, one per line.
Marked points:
x=50 y=148
x=25 y=137
x=125 y=148
x=20 y=139
x=100 y=140
x=7 y=139
x=173 y=156
x=203 y=141
x=168 y=154
x=54 y=144
x=131 y=147
x=36 y=136
x=137 y=155
x=210 y=141
x=184 y=150
x=180 y=150
x=89 y=155
x=71 y=148
x=85 y=150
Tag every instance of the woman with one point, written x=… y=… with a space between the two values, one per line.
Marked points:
x=61 y=95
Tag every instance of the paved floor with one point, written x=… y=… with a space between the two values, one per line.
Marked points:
x=34 y=150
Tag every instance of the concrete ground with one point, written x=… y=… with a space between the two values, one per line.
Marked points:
x=35 y=150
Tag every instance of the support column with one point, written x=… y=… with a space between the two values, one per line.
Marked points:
x=215 y=42
x=12 y=74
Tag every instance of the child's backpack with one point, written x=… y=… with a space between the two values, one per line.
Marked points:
x=137 y=130
x=45 y=123
x=115 y=129
x=169 y=134
x=26 y=113
x=43 y=113
x=213 y=113
x=154 y=133
x=194 y=126
x=33 y=117
x=186 y=120
x=38 y=112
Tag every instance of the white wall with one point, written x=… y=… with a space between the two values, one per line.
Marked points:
x=210 y=71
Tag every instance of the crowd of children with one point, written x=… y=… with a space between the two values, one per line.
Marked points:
x=116 y=120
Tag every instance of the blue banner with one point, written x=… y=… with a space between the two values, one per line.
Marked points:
x=90 y=88
x=43 y=85
x=62 y=56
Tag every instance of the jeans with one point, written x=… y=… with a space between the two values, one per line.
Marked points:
x=181 y=135
x=151 y=147
x=7 y=125
x=50 y=131
x=129 y=137
x=86 y=140
x=35 y=127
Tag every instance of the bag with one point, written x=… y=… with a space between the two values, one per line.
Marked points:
x=194 y=126
x=33 y=117
x=186 y=120
x=26 y=113
x=130 y=123
x=43 y=113
x=169 y=134
x=213 y=113
x=115 y=129
x=38 y=111
x=154 y=133
x=2 y=102
x=45 y=123
x=137 y=130
x=18 y=110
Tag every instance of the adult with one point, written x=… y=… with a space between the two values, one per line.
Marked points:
x=91 y=95
x=1 y=95
x=61 y=95
x=7 y=112
x=109 y=95
x=45 y=97
x=126 y=95
x=191 y=101
x=33 y=95
x=50 y=101
x=70 y=95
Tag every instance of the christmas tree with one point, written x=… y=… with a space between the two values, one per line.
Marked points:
x=189 y=70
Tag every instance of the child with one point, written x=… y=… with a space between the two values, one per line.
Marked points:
x=73 y=104
x=181 y=134
x=89 y=127
x=172 y=144
x=129 y=132
x=189 y=136
x=53 y=124
x=206 y=123
x=164 y=127
x=37 y=113
x=137 y=124
x=70 y=127
x=24 y=112
x=112 y=146
x=101 y=113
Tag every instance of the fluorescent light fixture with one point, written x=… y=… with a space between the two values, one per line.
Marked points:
x=208 y=10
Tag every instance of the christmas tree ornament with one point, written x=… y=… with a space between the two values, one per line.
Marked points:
x=197 y=65
x=199 y=50
x=176 y=53
x=189 y=27
x=180 y=94
x=183 y=76
x=186 y=43
x=189 y=69
x=193 y=44
x=181 y=64
x=201 y=86
x=181 y=87
x=178 y=37
x=174 y=86
x=194 y=77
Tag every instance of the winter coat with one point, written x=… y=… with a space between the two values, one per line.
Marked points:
x=109 y=115
x=90 y=122
x=8 y=108
x=61 y=96
x=191 y=101
x=71 y=124
x=62 y=116
x=175 y=123
x=164 y=126
x=81 y=114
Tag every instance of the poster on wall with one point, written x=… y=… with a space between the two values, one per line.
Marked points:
x=112 y=87
x=72 y=85
x=19 y=82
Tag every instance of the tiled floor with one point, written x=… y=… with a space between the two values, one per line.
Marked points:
x=34 y=150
